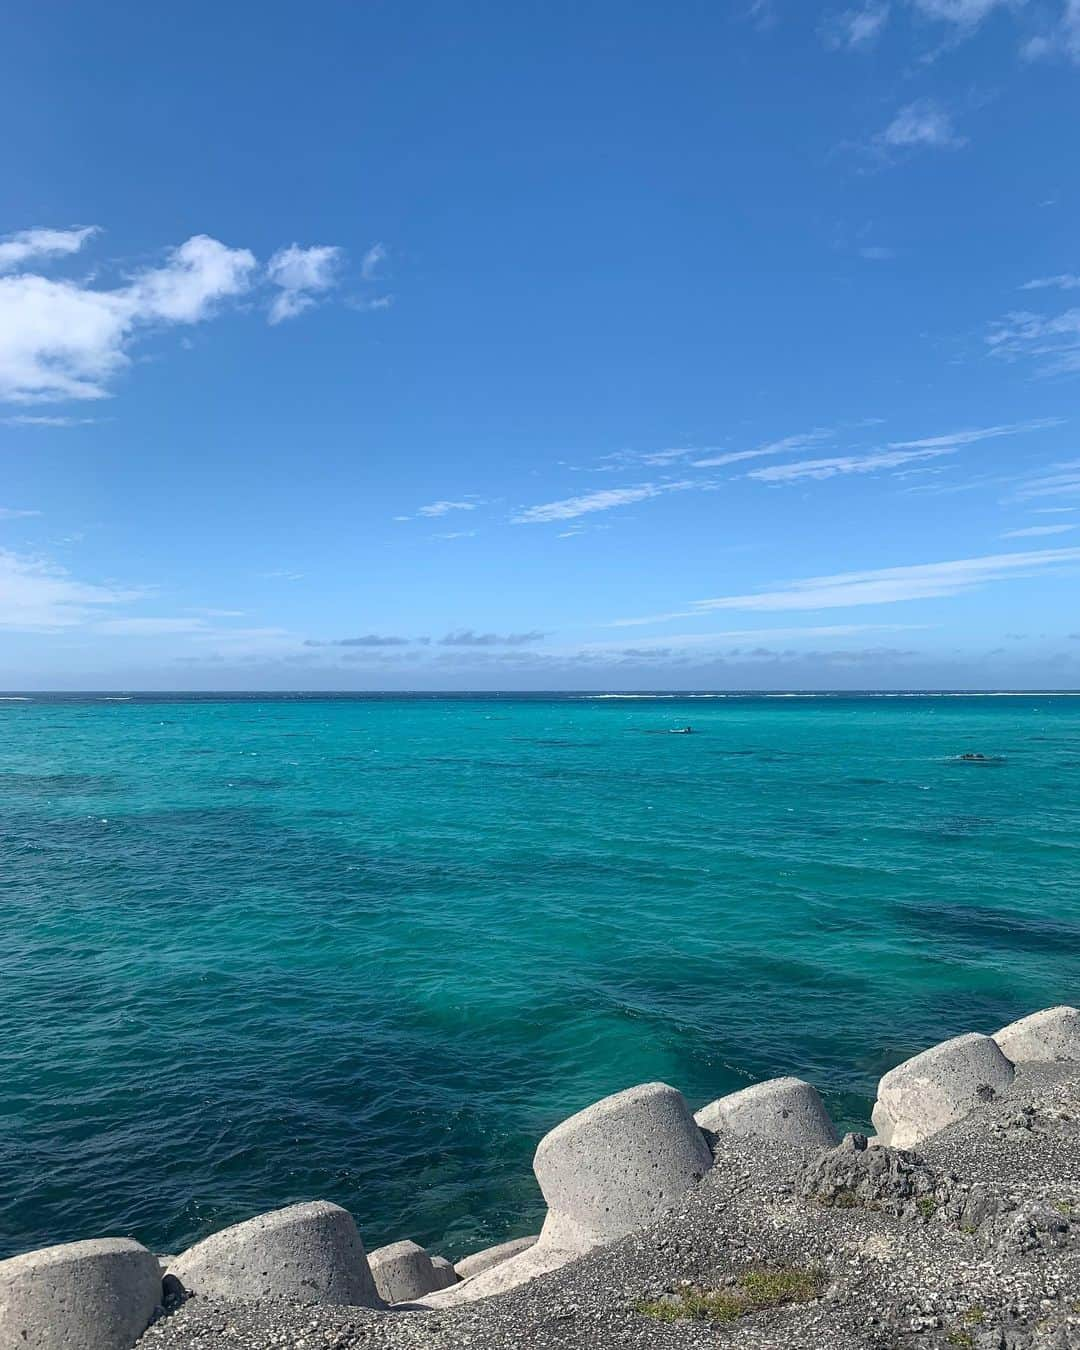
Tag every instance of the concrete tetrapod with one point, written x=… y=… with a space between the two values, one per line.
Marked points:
x=493 y=1256
x=98 y=1295
x=311 y=1252
x=1053 y=1034
x=404 y=1271
x=781 y=1108
x=617 y=1166
x=445 y=1274
x=613 y=1168
x=942 y=1085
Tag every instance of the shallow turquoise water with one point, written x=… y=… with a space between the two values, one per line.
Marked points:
x=272 y=949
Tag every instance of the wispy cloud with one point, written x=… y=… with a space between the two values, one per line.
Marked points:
x=964 y=13
x=301 y=276
x=151 y=627
x=1053 y=340
x=762 y=13
x=971 y=435
x=1061 y=38
x=704 y=457
x=783 y=446
x=468 y=637
x=371 y=266
x=1064 y=281
x=1064 y=481
x=895 y=454
x=890 y=585
x=36 y=595
x=881 y=586
x=606 y=499
x=14 y=513
x=874 y=462
x=923 y=123
x=856 y=29
x=25 y=420
x=456 y=534
x=187 y=626
x=444 y=508
x=28 y=245
x=1035 y=531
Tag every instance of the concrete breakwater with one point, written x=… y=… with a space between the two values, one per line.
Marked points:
x=608 y=1172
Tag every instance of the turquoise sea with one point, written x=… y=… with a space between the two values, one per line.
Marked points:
x=261 y=949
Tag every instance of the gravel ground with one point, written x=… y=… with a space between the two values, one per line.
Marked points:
x=970 y=1243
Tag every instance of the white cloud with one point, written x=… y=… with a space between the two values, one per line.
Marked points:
x=922 y=123
x=195 y=277
x=36 y=594
x=301 y=274
x=26 y=245
x=1066 y=281
x=877 y=253
x=61 y=339
x=58 y=340
x=880 y=586
x=444 y=508
x=1034 y=531
x=856 y=29
x=12 y=513
x=602 y=500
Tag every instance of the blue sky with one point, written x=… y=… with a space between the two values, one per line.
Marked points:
x=596 y=346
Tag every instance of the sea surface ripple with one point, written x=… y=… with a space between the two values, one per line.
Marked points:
x=258 y=950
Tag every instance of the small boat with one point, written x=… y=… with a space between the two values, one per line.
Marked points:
x=680 y=731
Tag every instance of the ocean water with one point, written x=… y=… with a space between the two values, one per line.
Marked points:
x=263 y=949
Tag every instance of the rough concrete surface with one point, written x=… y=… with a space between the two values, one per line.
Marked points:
x=96 y=1295
x=967 y=1241
x=929 y=1092
x=310 y=1251
x=781 y=1108
x=1050 y=1035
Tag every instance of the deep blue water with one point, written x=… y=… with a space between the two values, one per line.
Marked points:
x=262 y=949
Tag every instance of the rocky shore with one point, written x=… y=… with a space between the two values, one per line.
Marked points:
x=750 y=1225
